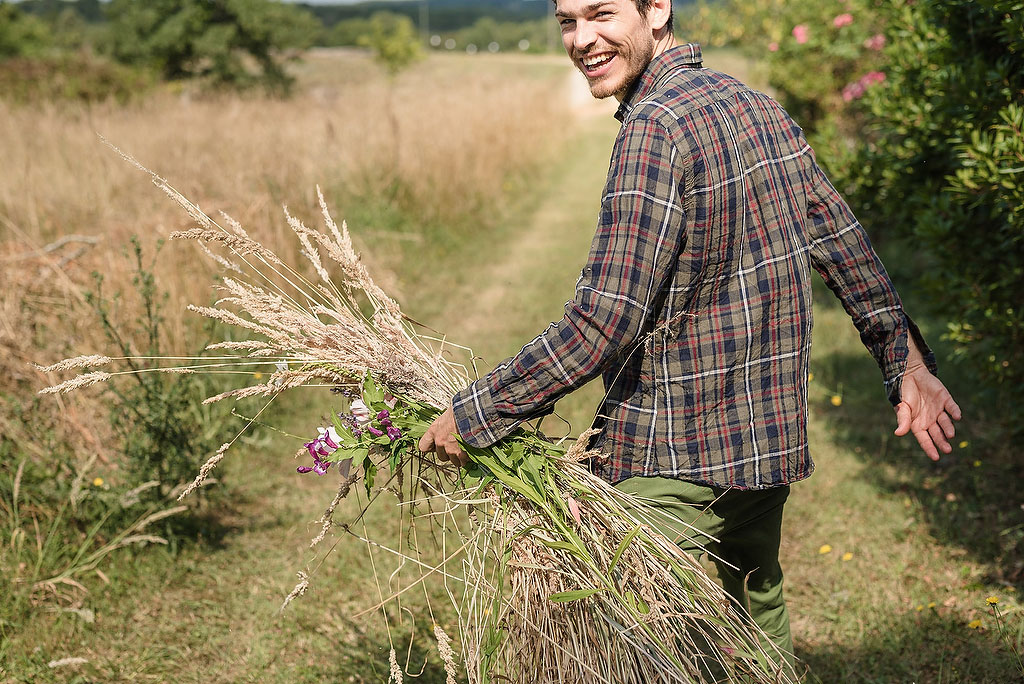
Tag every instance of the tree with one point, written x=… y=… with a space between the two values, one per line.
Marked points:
x=393 y=39
x=221 y=40
x=21 y=35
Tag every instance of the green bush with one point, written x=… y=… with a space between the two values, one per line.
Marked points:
x=233 y=42
x=64 y=506
x=393 y=40
x=943 y=167
x=819 y=56
x=76 y=76
x=21 y=35
x=165 y=431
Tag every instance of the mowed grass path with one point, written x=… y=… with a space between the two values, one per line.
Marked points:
x=209 y=613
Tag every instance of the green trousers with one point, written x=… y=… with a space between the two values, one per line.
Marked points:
x=748 y=527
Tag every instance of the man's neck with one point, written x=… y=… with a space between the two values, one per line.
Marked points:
x=665 y=41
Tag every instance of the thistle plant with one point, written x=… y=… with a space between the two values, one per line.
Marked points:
x=554 y=574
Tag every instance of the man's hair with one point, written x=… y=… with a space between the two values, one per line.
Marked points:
x=643 y=6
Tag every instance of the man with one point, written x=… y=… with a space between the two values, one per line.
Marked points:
x=695 y=304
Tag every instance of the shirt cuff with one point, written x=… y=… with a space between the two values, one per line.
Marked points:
x=897 y=367
x=476 y=417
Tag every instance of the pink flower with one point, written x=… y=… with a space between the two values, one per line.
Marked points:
x=875 y=42
x=852 y=91
x=360 y=412
x=856 y=89
x=842 y=20
x=801 y=33
x=773 y=47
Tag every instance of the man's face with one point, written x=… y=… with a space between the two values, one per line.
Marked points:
x=608 y=40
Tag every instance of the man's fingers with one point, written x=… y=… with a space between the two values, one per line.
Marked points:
x=939 y=439
x=947 y=425
x=952 y=408
x=903 y=416
x=925 y=440
x=426 y=442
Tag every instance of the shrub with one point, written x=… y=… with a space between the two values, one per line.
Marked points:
x=165 y=431
x=943 y=167
x=74 y=76
x=21 y=34
x=234 y=42
x=819 y=56
x=393 y=40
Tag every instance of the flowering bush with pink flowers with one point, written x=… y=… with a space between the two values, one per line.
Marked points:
x=820 y=57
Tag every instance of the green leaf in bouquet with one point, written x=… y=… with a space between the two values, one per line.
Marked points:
x=369 y=472
x=622 y=547
x=574 y=595
x=373 y=395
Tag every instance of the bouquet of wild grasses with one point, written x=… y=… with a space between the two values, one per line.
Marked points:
x=554 y=574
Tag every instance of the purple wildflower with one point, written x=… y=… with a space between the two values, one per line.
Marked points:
x=394 y=433
x=383 y=415
x=326 y=439
x=303 y=469
x=374 y=431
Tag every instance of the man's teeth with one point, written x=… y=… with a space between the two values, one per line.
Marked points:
x=591 y=62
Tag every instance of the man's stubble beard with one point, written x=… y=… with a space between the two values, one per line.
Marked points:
x=635 y=64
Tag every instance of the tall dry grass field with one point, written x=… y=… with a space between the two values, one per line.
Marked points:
x=437 y=144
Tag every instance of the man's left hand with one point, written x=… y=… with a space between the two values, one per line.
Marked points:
x=441 y=438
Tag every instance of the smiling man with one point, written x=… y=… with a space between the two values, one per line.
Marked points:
x=695 y=305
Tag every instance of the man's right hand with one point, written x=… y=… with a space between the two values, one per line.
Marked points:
x=926 y=408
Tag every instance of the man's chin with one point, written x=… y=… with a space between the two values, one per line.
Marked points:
x=601 y=89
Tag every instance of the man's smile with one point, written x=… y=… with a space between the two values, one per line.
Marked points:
x=597 y=65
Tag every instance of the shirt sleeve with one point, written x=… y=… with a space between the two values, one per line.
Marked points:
x=639 y=234
x=842 y=253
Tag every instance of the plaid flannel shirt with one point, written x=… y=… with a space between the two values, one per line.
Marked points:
x=695 y=302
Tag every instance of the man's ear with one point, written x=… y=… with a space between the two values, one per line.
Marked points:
x=658 y=14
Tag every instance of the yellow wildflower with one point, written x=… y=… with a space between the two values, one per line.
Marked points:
x=919 y=608
x=963 y=444
x=974 y=624
x=98 y=482
x=992 y=600
x=810 y=376
x=847 y=556
x=931 y=604
x=825 y=548
x=257 y=375
x=977 y=464
x=836 y=400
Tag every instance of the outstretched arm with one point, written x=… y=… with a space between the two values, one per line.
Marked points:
x=926 y=407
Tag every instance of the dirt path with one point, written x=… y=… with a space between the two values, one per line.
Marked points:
x=521 y=283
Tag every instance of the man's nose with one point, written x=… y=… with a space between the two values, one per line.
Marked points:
x=584 y=36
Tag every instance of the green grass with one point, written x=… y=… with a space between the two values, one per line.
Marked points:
x=208 y=613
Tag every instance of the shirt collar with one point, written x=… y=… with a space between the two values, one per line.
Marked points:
x=679 y=57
